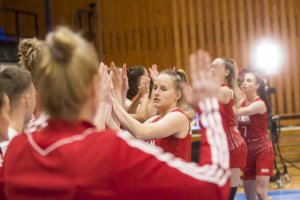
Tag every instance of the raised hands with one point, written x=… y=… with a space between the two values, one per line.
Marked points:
x=105 y=84
x=120 y=83
x=116 y=77
x=153 y=72
x=105 y=100
x=203 y=85
x=144 y=86
x=125 y=85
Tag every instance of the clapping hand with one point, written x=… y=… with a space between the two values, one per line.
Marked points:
x=153 y=72
x=203 y=85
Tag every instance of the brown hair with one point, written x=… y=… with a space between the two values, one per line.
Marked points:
x=67 y=67
x=134 y=74
x=14 y=81
x=1 y=100
x=29 y=52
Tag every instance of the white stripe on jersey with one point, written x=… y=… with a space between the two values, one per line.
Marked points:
x=208 y=173
x=218 y=172
x=59 y=143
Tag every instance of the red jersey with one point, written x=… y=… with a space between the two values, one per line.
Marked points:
x=208 y=124
x=236 y=143
x=253 y=127
x=234 y=137
x=72 y=160
x=226 y=111
x=2 y=196
x=179 y=147
x=260 y=157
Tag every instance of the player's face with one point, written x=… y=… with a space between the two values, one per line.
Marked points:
x=164 y=92
x=249 y=84
x=218 y=70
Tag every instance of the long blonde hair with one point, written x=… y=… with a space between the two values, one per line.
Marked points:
x=231 y=79
x=67 y=67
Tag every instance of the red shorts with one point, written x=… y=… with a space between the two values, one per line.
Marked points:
x=260 y=159
x=238 y=157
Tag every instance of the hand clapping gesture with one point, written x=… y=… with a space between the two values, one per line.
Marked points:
x=105 y=84
x=120 y=83
x=153 y=72
x=203 y=85
x=105 y=100
x=144 y=86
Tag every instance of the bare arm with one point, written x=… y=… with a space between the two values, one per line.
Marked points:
x=134 y=104
x=142 y=94
x=225 y=94
x=105 y=106
x=257 y=107
x=117 y=81
x=152 y=111
x=112 y=124
x=141 y=114
x=125 y=85
x=172 y=123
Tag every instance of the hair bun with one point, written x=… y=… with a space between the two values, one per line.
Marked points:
x=28 y=51
x=61 y=45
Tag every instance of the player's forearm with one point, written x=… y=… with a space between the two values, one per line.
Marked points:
x=102 y=115
x=128 y=122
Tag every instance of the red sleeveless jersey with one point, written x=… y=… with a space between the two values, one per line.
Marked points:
x=179 y=147
x=226 y=111
x=234 y=137
x=253 y=127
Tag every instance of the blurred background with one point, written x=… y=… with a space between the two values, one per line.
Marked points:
x=166 y=31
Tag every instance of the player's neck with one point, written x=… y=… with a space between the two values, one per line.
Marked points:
x=251 y=97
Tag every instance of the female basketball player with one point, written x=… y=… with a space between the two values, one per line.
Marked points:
x=171 y=128
x=225 y=72
x=253 y=127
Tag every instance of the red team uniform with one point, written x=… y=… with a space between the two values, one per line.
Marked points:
x=179 y=147
x=236 y=143
x=2 y=196
x=56 y=159
x=260 y=150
